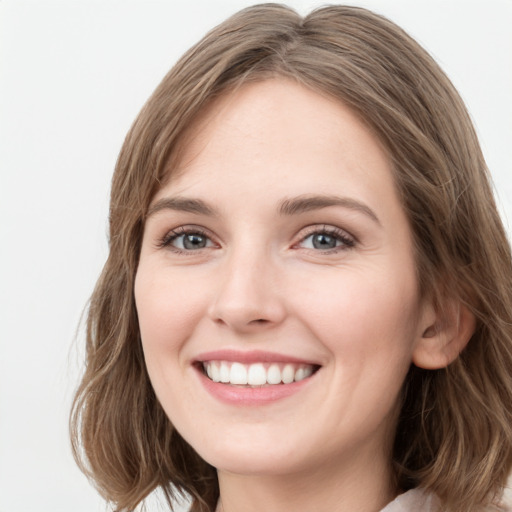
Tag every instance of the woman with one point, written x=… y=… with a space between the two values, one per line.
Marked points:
x=307 y=301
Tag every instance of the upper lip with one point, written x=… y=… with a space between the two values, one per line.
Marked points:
x=249 y=357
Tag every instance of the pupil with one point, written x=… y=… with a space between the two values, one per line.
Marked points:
x=194 y=241
x=323 y=241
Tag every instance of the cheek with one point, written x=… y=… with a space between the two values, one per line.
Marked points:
x=167 y=312
x=369 y=327
x=364 y=316
x=167 y=309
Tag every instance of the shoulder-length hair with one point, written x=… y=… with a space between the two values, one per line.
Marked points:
x=454 y=434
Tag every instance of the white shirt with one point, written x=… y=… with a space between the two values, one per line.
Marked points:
x=414 y=500
x=417 y=500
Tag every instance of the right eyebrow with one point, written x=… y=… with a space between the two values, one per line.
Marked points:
x=306 y=203
x=182 y=204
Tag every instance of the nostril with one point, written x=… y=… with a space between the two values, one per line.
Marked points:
x=258 y=321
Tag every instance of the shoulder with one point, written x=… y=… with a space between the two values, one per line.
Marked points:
x=417 y=500
x=414 y=500
x=506 y=501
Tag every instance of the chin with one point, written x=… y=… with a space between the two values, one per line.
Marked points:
x=251 y=456
x=249 y=465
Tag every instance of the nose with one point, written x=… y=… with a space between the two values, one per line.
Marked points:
x=249 y=297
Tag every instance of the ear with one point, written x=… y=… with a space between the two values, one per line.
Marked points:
x=444 y=334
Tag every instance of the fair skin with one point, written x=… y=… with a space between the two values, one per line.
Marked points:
x=280 y=242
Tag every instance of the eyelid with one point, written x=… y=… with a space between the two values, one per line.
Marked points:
x=348 y=240
x=165 y=242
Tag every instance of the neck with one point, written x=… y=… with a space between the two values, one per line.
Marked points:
x=362 y=487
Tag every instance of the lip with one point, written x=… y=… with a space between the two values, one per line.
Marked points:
x=253 y=356
x=247 y=396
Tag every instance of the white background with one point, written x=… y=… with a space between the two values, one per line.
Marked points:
x=73 y=75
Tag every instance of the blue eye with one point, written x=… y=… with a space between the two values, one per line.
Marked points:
x=183 y=240
x=191 y=241
x=326 y=240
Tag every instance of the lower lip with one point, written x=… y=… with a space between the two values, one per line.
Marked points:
x=240 y=395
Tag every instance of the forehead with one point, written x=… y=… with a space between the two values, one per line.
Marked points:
x=280 y=125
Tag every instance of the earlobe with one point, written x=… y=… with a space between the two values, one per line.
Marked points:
x=444 y=336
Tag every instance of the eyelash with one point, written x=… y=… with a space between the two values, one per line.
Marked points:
x=347 y=241
x=182 y=231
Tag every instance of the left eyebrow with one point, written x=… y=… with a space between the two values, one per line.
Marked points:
x=183 y=204
x=306 y=203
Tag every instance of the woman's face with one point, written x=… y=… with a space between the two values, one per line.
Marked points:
x=276 y=289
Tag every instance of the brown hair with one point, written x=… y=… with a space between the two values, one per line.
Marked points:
x=454 y=435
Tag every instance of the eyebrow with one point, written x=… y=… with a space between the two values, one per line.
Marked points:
x=306 y=203
x=183 y=204
x=294 y=206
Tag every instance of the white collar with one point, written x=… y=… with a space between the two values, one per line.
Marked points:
x=414 y=500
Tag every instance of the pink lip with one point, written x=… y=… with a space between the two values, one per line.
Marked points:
x=246 y=396
x=253 y=356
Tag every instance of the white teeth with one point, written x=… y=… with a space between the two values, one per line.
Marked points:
x=224 y=372
x=274 y=374
x=238 y=374
x=288 y=374
x=256 y=374
x=215 y=374
x=299 y=374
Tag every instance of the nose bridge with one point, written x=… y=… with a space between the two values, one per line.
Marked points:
x=248 y=294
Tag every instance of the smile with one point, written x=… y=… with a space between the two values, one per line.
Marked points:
x=253 y=378
x=257 y=374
